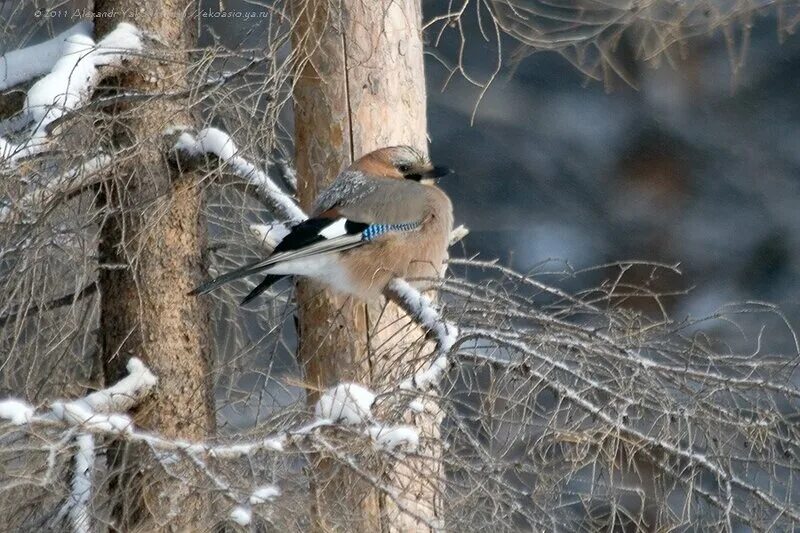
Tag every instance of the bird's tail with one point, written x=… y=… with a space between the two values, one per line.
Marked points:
x=240 y=272
x=265 y=284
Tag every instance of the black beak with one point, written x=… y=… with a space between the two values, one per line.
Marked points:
x=438 y=172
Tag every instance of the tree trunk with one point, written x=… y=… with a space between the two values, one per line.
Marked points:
x=152 y=248
x=361 y=87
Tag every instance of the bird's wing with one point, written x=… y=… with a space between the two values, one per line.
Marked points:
x=311 y=237
x=374 y=200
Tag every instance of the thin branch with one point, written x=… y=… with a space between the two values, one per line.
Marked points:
x=67 y=299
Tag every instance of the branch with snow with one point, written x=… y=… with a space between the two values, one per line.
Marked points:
x=124 y=394
x=346 y=403
x=288 y=174
x=16 y=411
x=25 y=64
x=81 y=65
x=421 y=309
x=212 y=141
x=390 y=438
x=81 y=485
x=342 y=406
x=98 y=411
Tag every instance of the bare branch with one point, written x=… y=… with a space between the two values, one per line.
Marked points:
x=67 y=299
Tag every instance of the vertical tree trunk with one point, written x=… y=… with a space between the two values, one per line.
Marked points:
x=361 y=87
x=152 y=244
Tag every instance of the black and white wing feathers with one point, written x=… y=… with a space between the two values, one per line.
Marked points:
x=311 y=237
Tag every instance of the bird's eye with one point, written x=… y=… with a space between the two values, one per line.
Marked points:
x=403 y=168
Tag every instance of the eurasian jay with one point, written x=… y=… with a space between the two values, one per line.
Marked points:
x=382 y=217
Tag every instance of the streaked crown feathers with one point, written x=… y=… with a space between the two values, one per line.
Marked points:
x=401 y=162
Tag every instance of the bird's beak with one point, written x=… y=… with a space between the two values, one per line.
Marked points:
x=437 y=172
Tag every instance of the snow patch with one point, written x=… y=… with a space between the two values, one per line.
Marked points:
x=348 y=403
x=81 y=486
x=233 y=451
x=217 y=142
x=187 y=144
x=16 y=411
x=75 y=74
x=65 y=85
x=426 y=315
x=241 y=515
x=19 y=66
x=78 y=414
x=119 y=396
x=118 y=44
x=264 y=494
x=392 y=437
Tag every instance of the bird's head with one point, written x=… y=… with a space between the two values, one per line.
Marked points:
x=401 y=162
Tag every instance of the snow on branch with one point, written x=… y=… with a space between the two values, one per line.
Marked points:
x=346 y=403
x=16 y=411
x=25 y=64
x=124 y=394
x=218 y=143
x=421 y=309
x=70 y=83
x=77 y=72
x=394 y=437
x=81 y=486
x=458 y=234
x=264 y=494
x=243 y=514
x=98 y=411
x=343 y=406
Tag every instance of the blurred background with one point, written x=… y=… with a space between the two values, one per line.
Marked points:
x=692 y=160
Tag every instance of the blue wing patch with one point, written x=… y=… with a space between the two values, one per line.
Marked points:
x=376 y=230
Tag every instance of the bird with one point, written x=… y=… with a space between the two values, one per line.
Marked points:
x=382 y=217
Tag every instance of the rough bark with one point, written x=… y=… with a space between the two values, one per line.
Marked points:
x=152 y=242
x=361 y=87
x=12 y=100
